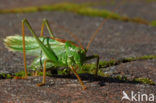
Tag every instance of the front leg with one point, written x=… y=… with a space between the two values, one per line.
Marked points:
x=82 y=84
x=97 y=62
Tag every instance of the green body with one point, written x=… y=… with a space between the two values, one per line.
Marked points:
x=66 y=53
x=57 y=52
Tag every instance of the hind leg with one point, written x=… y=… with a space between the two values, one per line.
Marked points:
x=45 y=22
x=24 y=52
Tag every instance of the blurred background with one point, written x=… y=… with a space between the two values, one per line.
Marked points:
x=129 y=31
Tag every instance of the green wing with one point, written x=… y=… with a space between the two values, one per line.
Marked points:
x=14 y=43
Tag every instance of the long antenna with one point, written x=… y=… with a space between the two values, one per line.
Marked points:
x=100 y=26
x=71 y=34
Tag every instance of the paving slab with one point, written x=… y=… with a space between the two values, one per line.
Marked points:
x=7 y=4
x=134 y=8
x=116 y=40
x=68 y=90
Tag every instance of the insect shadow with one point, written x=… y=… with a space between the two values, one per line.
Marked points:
x=100 y=79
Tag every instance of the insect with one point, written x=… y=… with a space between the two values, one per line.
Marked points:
x=56 y=52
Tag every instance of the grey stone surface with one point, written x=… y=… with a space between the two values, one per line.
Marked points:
x=116 y=40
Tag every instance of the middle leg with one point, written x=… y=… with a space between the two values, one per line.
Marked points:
x=44 y=74
x=97 y=62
